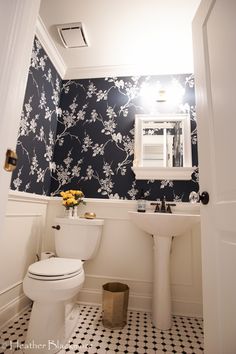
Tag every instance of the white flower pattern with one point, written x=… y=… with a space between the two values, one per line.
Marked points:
x=36 y=136
x=80 y=134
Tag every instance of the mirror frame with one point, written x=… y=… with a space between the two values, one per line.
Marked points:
x=166 y=173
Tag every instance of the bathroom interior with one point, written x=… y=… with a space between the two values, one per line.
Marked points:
x=97 y=72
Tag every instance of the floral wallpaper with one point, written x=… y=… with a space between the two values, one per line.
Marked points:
x=95 y=136
x=36 y=136
x=79 y=134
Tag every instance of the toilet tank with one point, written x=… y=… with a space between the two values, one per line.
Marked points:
x=77 y=238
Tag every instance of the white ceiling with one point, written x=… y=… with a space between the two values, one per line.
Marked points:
x=126 y=37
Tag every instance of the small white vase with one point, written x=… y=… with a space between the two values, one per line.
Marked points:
x=75 y=212
x=69 y=213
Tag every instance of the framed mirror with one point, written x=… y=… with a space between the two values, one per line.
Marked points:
x=162 y=148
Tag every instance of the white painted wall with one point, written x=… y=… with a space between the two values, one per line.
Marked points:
x=125 y=255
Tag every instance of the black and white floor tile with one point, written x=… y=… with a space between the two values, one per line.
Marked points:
x=139 y=336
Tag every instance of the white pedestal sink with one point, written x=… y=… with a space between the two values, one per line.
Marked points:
x=163 y=227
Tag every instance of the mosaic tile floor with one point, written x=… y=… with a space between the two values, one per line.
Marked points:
x=137 y=337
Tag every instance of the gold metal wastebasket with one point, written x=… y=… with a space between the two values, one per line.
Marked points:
x=115 y=305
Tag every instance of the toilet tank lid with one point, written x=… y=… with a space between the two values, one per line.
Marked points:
x=56 y=266
x=80 y=221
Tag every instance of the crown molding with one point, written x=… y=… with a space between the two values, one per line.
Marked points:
x=100 y=72
x=50 y=48
x=120 y=70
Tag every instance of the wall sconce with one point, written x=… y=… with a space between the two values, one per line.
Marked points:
x=151 y=94
x=161 y=96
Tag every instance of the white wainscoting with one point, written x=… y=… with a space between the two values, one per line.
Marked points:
x=23 y=233
x=125 y=255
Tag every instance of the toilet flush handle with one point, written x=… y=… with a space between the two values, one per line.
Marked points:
x=57 y=227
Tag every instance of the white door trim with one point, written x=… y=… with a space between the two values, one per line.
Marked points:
x=17 y=29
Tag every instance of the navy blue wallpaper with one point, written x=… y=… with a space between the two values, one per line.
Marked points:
x=95 y=135
x=79 y=134
x=36 y=136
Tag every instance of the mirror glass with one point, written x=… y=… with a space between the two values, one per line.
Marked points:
x=162 y=145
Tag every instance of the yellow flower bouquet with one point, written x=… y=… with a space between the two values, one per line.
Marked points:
x=72 y=198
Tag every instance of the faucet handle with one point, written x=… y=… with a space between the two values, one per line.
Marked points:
x=168 y=210
x=157 y=207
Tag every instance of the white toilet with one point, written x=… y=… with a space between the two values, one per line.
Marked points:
x=53 y=283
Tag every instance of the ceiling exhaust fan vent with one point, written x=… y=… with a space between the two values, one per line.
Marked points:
x=72 y=35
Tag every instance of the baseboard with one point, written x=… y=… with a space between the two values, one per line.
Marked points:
x=136 y=301
x=12 y=309
x=187 y=308
x=143 y=302
x=140 y=296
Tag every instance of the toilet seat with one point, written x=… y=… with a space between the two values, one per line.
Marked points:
x=55 y=269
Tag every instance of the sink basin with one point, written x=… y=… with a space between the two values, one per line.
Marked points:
x=163 y=227
x=164 y=224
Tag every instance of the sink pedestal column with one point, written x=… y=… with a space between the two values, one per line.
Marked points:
x=161 y=300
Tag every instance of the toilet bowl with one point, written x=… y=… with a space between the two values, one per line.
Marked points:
x=53 y=283
x=50 y=283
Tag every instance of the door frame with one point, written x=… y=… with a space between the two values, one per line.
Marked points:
x=218 y=223
x=17 y=30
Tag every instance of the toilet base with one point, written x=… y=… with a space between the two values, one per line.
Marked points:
x=50 y=327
